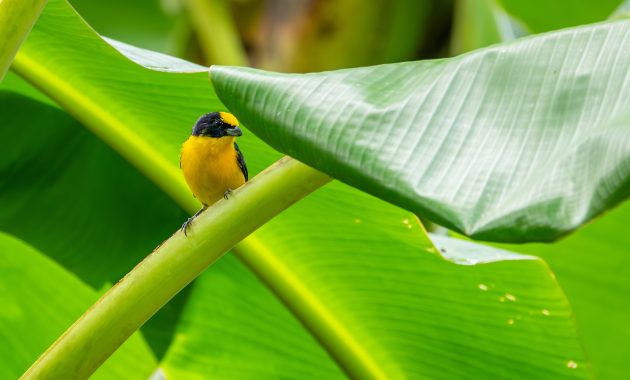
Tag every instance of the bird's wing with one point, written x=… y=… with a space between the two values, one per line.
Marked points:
x=240 y=160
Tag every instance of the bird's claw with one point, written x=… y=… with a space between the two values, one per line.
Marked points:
x=227 y=193
x=189 y=221
x=187 y=224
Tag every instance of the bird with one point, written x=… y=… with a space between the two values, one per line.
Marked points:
x=211 y=161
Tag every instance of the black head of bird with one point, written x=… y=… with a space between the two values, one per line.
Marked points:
x=217 y=125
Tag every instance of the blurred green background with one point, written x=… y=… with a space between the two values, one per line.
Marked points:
x=314 y=35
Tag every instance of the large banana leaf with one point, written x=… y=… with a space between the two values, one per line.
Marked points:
x=523 y=141
x=415 y=326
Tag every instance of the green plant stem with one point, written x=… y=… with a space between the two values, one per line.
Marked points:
x=16 y=20
x=217 y=33
x=174 y=264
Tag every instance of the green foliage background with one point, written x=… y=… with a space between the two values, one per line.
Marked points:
x=363 y=290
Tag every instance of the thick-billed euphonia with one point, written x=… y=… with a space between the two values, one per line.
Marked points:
x=211 y=161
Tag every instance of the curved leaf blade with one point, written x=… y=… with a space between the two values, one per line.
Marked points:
x=523 y=141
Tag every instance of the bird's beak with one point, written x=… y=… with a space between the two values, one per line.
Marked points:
x=236 y=131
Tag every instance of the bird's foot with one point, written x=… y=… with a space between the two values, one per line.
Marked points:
x=189 y=221
x=227 y=193
x=187 y=224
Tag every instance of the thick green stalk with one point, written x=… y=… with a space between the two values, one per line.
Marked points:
x=174 y=264
x=16 y=20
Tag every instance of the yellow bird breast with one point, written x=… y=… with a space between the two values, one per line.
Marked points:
x=210 y=167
